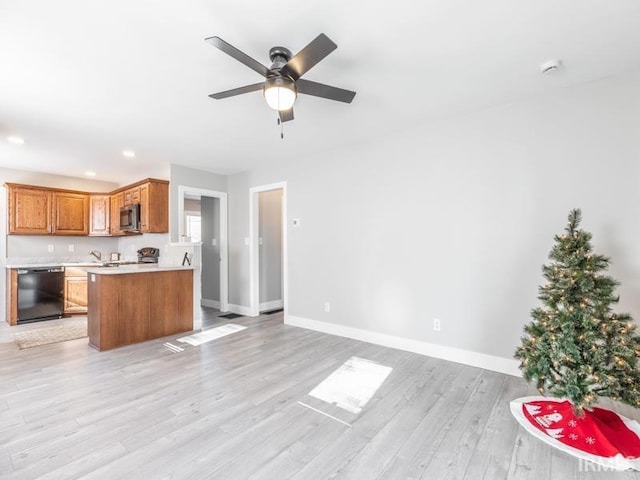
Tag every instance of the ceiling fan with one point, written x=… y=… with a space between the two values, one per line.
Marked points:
x=283 y=81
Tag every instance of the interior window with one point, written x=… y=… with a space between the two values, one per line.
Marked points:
x=193 y=228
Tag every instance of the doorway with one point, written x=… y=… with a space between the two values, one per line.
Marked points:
x=206 y=228
x=268 y=248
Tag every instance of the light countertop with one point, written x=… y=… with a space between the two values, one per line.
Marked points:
x=135 y=268
x=96 y=267
x=53 y=264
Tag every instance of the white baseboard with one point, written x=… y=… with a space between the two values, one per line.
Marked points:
x=239 y=309
x=466 y=357
x=271 y=305
x=205 y=302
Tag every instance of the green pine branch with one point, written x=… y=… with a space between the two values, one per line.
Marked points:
x=575 y=346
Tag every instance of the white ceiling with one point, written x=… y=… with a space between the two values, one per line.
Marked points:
x=81 y=80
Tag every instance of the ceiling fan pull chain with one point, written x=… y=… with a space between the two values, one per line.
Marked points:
x=281 y=123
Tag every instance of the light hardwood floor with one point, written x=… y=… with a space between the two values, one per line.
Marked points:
x=228 y=410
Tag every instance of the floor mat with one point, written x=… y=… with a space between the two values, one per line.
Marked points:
x=230 y=315
x=48 y=335
x=271 y=312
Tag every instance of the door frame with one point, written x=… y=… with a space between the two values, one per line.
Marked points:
x=254 y=250
x=224 y=248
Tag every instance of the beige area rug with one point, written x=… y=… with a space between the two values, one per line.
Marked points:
x=46 y=335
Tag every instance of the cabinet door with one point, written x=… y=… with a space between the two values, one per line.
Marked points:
x=29 y=211
x=70 y=213
x=100 y=209
x=132 y=196
x=144 y=208
x=154 y=206
x=75 y=294
x=116 y=204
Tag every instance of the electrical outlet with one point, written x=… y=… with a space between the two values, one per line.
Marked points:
x=214 y=242
x=437 y=325
x=49 y=248
x=72 y=248
x=327 y=307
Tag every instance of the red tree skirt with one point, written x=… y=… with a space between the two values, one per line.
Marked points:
x=600 y=436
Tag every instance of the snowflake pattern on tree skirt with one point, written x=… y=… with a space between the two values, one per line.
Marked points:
x=600 y=435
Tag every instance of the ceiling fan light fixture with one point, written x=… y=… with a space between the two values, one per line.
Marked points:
x=280 y=93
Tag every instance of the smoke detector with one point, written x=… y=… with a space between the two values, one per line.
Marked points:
x=550 y=67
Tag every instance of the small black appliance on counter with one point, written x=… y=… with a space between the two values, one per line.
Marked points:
x=148 y=255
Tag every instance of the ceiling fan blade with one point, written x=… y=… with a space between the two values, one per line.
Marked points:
x=325 y=91
x=238 y=91
x=238 y=55
x=286 y=115
x=309 y=56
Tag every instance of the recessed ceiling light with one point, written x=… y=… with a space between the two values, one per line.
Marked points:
x=128 y=153
x=15 y=140
x=89 y=173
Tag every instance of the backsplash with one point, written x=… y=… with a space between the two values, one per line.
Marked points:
x=170 y=254
x=33 y=248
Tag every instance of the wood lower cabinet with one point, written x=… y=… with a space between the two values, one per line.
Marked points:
x=75 y=290
x=43 y=211
x=12 y=296
x=100 y=214
x=126 y=308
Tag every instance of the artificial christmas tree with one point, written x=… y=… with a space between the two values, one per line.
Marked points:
x=576 y=347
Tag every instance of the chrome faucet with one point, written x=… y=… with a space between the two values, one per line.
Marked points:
x=97 y=254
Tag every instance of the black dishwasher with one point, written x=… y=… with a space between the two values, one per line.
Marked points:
x=40 y=293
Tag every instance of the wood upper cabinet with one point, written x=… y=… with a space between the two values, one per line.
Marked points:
x=29 y=210
x=131 y=195
x=43 y=211
x=100 y=214
x=116 y=204
x=70 y=213
x=154 y=207
x=46 y=211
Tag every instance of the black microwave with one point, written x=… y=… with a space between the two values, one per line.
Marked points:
x=130 y=218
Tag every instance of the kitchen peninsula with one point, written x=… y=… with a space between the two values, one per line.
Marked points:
x=134 y=303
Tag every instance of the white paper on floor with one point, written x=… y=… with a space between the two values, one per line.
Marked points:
x=352 y=385
x=211 y=334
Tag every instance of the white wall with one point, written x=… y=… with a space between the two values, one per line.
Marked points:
x=453 y=220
